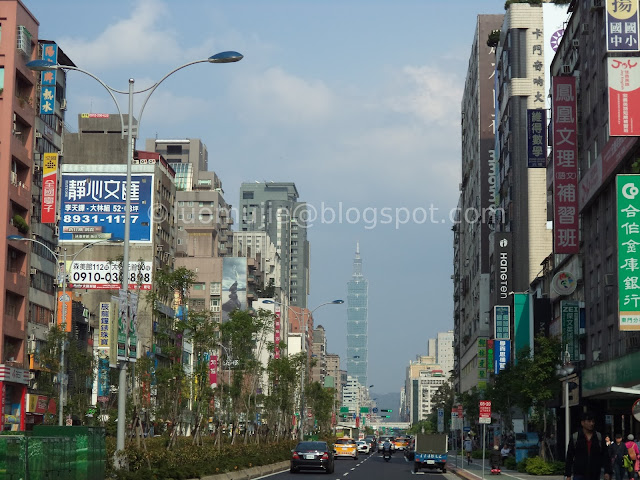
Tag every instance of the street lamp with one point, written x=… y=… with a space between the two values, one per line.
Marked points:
x=564 y=371
x=64 y=298
x=303 y=346
x=43 y=65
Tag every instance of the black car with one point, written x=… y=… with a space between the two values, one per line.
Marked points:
x=312 y=455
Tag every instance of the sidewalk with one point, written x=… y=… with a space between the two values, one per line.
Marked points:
x=474 y=471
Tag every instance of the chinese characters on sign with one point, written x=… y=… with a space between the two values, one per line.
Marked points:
x=502 y=322
x=213 y=371
x=537 y=54
x=482 y=363
x=537 y=138
x=276 y=333
x=565 y=166
x=570 y=316
x=624 y=96
x=49 y=187
x=92 y=206
x=106 y=275
x=105 y=313
x=628 y=213
x=502 y=355
x=622 y=25
x=485 y=411
x=48 y=80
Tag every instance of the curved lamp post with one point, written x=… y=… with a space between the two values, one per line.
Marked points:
x=43 y=65
x=62 y=298
x=306 y=356
x=564 y=371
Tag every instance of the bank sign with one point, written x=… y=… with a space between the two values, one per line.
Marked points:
x=628 y=220
x=92 y=206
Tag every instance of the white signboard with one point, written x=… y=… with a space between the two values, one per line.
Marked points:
x=106 y=275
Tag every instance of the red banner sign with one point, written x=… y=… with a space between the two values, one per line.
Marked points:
x=213 y=370
x=276 y=333
x=49 y=187
x=485 y=411
x=565 y=166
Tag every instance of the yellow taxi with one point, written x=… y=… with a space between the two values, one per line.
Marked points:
x=346 y=447
x=400 y=443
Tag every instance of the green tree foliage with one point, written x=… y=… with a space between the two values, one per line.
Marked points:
x=320 y=400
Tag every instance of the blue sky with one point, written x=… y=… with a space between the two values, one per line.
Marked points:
x=357 y=102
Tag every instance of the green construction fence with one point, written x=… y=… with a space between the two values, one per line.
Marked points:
x=51 y=452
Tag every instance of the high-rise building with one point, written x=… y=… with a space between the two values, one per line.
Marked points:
x=477 y=198
x=318 y=355
x=17 y=122
x=441 y=348
x=357 y=312
x=201 y=207
x=423 y=378
x=274 y=207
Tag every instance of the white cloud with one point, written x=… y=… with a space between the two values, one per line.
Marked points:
x=277 y=96
x=145 y=36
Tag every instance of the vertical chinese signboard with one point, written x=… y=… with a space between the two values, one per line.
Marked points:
x=565 y=166
x=537 y=138
x=49 y=187
x=622 y=25
x=213 y=371
x=48 y=80
x=502 y=322
x=276 y=332
x=570 y=315
x=502 y=355
x=628 y=220
x=623 y=76
x=485 y=411
x=482 y=363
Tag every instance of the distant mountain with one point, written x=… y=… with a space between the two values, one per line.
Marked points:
x=388 y=401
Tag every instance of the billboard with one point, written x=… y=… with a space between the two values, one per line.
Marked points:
x=49 y=187
x=105 y=320
x=503 y=254
x=536 y=138
x=502 y=355
x=502 y=322
x=622 y=25
x=628 y=210
x=565 y=166
x=624 y=96
x=103 y=275
x=234 y=285
x=92 y=206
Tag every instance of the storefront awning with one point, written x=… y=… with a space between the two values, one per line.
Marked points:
x=613 y=393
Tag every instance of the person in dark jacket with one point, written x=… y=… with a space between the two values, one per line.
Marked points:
x=495 y=457
x=587 y=455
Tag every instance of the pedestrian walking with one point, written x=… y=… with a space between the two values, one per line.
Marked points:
x=634 y=456
x=468 y=447
x=587 y=453
x=617 y=451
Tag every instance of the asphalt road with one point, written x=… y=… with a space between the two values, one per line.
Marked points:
x=367 y=467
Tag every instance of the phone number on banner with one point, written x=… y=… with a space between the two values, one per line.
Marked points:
x=106 y=275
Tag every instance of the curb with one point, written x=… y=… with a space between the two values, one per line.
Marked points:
x=249 y=473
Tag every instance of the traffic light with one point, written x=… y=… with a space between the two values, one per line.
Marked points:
x=387 y=411
x=385 y=416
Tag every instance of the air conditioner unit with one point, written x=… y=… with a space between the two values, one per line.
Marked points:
x=566 y=69
x=31 y=346
x=33 y=271
x=38 y=135
x=575 y=42
x=36 y=168
x=609 y=280
x=584 y=29
x=63 y=104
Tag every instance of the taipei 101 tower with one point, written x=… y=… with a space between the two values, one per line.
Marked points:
x=357 y=301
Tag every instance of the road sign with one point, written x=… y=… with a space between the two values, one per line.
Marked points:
x=344 y=409
x=485 y=411
x=354 y=415
x=440 y=420
x=467 y=429
x=375 y=409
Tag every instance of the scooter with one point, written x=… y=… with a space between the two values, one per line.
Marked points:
x=386 y=455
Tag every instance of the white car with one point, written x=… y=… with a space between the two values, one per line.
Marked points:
x=363 y=447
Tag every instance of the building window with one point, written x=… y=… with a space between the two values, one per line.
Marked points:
x=198 y=286
x=215 y=288
x=247 y=195
x=174 y=149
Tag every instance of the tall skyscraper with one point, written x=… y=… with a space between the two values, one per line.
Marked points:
x=357 y=301
x=273 y=207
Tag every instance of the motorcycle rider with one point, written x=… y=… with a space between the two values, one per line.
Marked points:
x=386 y=448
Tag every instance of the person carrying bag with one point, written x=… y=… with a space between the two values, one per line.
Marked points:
x=632 y=460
